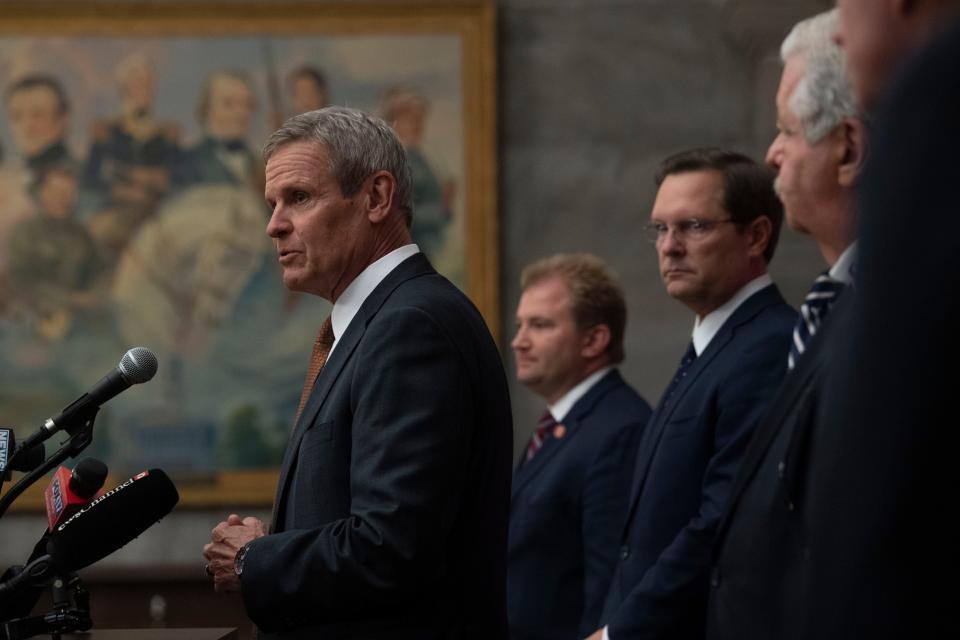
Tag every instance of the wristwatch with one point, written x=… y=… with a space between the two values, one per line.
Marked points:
x=238 y=559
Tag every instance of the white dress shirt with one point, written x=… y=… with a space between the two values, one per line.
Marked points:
x=349 y=302
x=842 y=269
x=561 y=407
x=705 y=328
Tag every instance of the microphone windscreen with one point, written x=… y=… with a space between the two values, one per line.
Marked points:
x=88 y=477
x=138 y=365
x=112 y=520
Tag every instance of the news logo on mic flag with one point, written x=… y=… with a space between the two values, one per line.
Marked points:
x=4 y=449
x=70 y=491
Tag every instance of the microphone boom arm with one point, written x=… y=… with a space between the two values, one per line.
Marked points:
x=80 y=439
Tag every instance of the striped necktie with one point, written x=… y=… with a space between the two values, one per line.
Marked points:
x=321 y=349
x=814 y=309
x=544 y=428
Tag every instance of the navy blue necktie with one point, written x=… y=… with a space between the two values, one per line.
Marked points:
x=685 y=363
x=814 y=309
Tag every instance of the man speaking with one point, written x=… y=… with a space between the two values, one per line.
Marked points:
x=391 y=512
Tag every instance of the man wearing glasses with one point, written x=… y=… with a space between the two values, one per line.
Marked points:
x=715 y=223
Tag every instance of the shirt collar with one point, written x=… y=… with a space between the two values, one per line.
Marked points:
x=349 y=302
x=704 y=329
x=561 y=407
x=842 y=269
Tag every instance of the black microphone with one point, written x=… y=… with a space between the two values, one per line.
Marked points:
x=137 y=365
x=111 y=520
x=13 y=460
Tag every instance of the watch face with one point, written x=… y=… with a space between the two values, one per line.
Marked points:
x=238 y=561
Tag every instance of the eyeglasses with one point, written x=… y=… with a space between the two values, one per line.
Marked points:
x=691 y=229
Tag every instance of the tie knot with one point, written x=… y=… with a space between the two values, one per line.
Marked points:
x=545 y=427
x=690 y=355
x=546 y=421
x=825 y=284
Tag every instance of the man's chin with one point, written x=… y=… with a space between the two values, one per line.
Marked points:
x=527 y=378
x=677 y=289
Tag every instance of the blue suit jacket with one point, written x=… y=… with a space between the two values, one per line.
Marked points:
x=687 y=460
x=392 y=506
x=567 y=512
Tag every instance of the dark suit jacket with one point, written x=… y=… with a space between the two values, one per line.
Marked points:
x=687 y=460
x=567 y=512
x=761 y=551
x=392 y=504
x=201 y=164
x=883 y=477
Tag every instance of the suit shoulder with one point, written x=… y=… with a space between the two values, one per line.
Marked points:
x=619 y=408
x=771 y=324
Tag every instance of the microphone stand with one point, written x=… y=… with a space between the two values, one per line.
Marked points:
x=71 y=612
x=71 y=600
x=80 y=438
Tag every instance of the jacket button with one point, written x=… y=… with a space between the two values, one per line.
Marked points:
x=781 y=469
x=715 y=576
x=624 y=552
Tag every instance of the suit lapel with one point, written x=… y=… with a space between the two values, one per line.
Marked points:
x=752 y=306
x=528 y=470
x=415 y=265
x=658 y=424
x=795 y=384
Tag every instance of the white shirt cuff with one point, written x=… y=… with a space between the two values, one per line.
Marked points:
x=606 y=633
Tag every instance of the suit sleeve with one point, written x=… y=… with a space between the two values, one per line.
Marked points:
x=409 y=393
x=604 y=503
x=672 y=593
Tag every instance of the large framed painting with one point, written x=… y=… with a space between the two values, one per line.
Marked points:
x=132 y=213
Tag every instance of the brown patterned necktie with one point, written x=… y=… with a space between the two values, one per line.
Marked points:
x=321 y=349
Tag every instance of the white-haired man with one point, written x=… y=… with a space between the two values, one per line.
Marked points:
x=760 y=555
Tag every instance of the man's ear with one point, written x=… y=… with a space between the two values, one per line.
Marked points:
x=596 y=341
x=761 y=234
x=379 y=191
x=853 y=151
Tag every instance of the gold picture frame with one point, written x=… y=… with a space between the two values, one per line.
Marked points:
x=161 y=226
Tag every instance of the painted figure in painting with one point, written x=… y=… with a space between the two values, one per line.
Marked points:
x=226 y=109
x=406 y=110
x=131 y=160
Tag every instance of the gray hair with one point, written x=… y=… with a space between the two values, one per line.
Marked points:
x=358 y=145
x=824 y=96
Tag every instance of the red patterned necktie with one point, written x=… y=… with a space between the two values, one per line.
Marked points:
x=321 y=349
x=544 y=428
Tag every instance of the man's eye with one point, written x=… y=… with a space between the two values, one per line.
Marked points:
x=300 y=197
x=693 y=225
